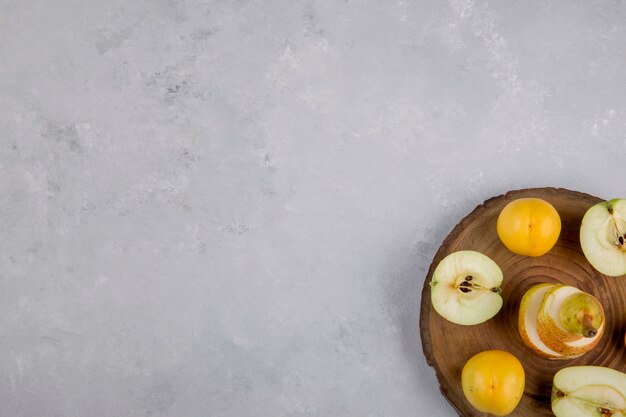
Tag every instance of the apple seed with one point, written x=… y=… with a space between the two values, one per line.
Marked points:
x=451 y=287
x=605 y=412
x=620 y=236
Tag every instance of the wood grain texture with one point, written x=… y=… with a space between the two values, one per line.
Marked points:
x=447 y=346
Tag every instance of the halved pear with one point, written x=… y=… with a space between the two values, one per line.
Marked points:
x=465 y=288
x=527 y=321
x=589 y=391
x=603 y=237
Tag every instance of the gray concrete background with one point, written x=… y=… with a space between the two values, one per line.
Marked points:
x=227 y=208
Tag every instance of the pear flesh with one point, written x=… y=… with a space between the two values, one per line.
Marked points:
x=559 y=321
x=549 y=320
x=529 y=310
x=465 y=288
x=589 y=391
x=603 y=237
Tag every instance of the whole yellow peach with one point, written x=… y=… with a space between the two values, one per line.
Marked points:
x=493 y=382
x=529 y=226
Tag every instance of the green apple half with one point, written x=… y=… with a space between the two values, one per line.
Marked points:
x=589 y=391
x=603 y=237
x=559 y=321
x=465 y=288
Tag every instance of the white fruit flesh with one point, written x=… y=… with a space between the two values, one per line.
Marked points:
x=584 y=391
x=553 y=303
x=540 y=326
x=551 y=308
x=528 y=327
x=586 y=341
x=475 y=303
x=602 y=227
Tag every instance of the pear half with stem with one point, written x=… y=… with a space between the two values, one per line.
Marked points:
x=589 y=391
x=465 y=288
x=603 y=237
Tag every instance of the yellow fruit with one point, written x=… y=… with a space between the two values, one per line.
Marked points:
x=493 y=382
x=529 y=226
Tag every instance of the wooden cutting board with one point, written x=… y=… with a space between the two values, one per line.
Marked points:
x=447 y=346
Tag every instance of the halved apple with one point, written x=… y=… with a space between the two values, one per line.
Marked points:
x=589 y=391
x=465 y=288
x=603 y=237
x=559 y=321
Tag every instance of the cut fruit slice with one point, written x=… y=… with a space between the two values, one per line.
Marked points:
x=582 y=314
x=549 y=320
x=559 y=321
x=586 y=391
x=529 y=310
x=603 y=237
x=577 y=348
x=465 y=288
x=585 y=341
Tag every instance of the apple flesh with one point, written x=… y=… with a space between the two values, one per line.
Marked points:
x=465 y=288
x=559 y=321
x=603 y=237
x=589 y=391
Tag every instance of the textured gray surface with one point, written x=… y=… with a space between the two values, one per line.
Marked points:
x=226 y=208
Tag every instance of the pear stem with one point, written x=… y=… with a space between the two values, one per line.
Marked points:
x=588 y=329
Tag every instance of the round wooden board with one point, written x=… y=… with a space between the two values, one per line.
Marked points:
x=447 y=346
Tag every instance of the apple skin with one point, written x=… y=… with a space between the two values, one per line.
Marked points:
x=603 y=237
x=588 y=391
